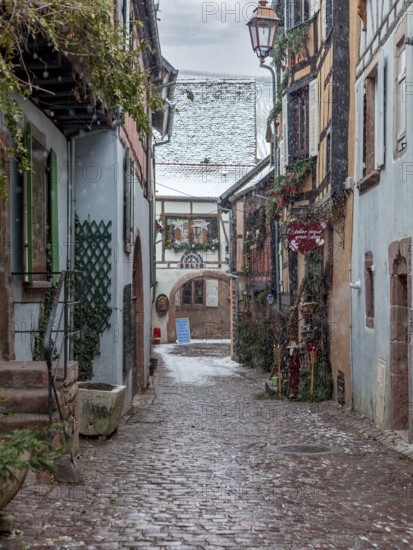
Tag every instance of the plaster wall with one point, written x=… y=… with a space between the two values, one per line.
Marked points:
x=102 y=199
x=382 y=215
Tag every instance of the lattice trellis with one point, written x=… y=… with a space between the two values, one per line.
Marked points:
x=93 y=257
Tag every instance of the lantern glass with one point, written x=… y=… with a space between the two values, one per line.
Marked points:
x=263 y=29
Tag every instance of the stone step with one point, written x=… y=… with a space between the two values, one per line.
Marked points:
x=26 y=420
x=22 y=401
x=30 y=374
x=23 y=374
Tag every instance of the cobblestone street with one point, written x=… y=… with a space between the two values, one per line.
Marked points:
x=202 y=465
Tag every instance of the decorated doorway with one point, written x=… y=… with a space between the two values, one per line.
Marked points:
x=400 y=336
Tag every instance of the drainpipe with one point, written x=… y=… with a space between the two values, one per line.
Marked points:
x=150 y=199
x=351 y=334
x=274 y=79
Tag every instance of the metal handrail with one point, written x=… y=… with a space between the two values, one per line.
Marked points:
x=49 y=344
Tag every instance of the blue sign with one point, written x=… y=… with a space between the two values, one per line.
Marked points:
x=182 y=331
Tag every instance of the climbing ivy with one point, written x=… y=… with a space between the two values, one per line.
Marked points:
x=38 y=335
x=92 y=258
x=255 y=228
x=97 y=46
x=293 y=42
x=285 y=185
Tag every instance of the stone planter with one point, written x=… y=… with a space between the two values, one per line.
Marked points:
x=11 y=487
x=100 y=408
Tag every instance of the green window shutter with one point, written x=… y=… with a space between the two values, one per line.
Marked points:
x=127 y=202
x=54 y=217
x=28 y=230
x=132 y=199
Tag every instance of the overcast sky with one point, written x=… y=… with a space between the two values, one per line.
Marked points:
x=208 y=36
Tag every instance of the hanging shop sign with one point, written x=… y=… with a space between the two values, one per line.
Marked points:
x=191 y=260
x=305 y=237
x=162 y=305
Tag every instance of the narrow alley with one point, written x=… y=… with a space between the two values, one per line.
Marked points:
x=207 y=462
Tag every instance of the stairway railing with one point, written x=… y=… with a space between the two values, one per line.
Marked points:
x=58 y=340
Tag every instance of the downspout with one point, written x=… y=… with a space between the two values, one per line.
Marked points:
x=152 y=203
x=276 y=224
x=351 y=334
x=150 y=199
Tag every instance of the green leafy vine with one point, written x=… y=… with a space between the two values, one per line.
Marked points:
x=93 y=314
x=85 y=33
x=285 y=185
x=37 y=337
x=212 y=246
x=293 y=42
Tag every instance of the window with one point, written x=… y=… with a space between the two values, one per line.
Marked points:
x=298 y=12
x=369 y=285
x=191 y=230
x=192 y=293
x=400 y=115
x=128 y=201
x=299 y=123
x=41 y=236
x=369 y=123
x=187 y=294
x=328 y=153
x=329 y=16
x=371 y=126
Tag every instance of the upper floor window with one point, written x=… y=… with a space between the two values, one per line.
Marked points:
x=329 y=17
x=369 y=123
x=40 y=228
x=328 y=153
x=371 y=126
x=299 y=123
x=298 y=12
x=400 y=96
x=191 y=230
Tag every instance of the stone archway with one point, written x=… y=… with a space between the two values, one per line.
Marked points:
x=170 y=327
x=400 y=335
x=138 y=374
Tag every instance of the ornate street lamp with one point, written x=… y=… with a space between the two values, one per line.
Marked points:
x=263 y=29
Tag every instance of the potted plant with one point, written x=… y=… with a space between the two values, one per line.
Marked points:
x=20 y=451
